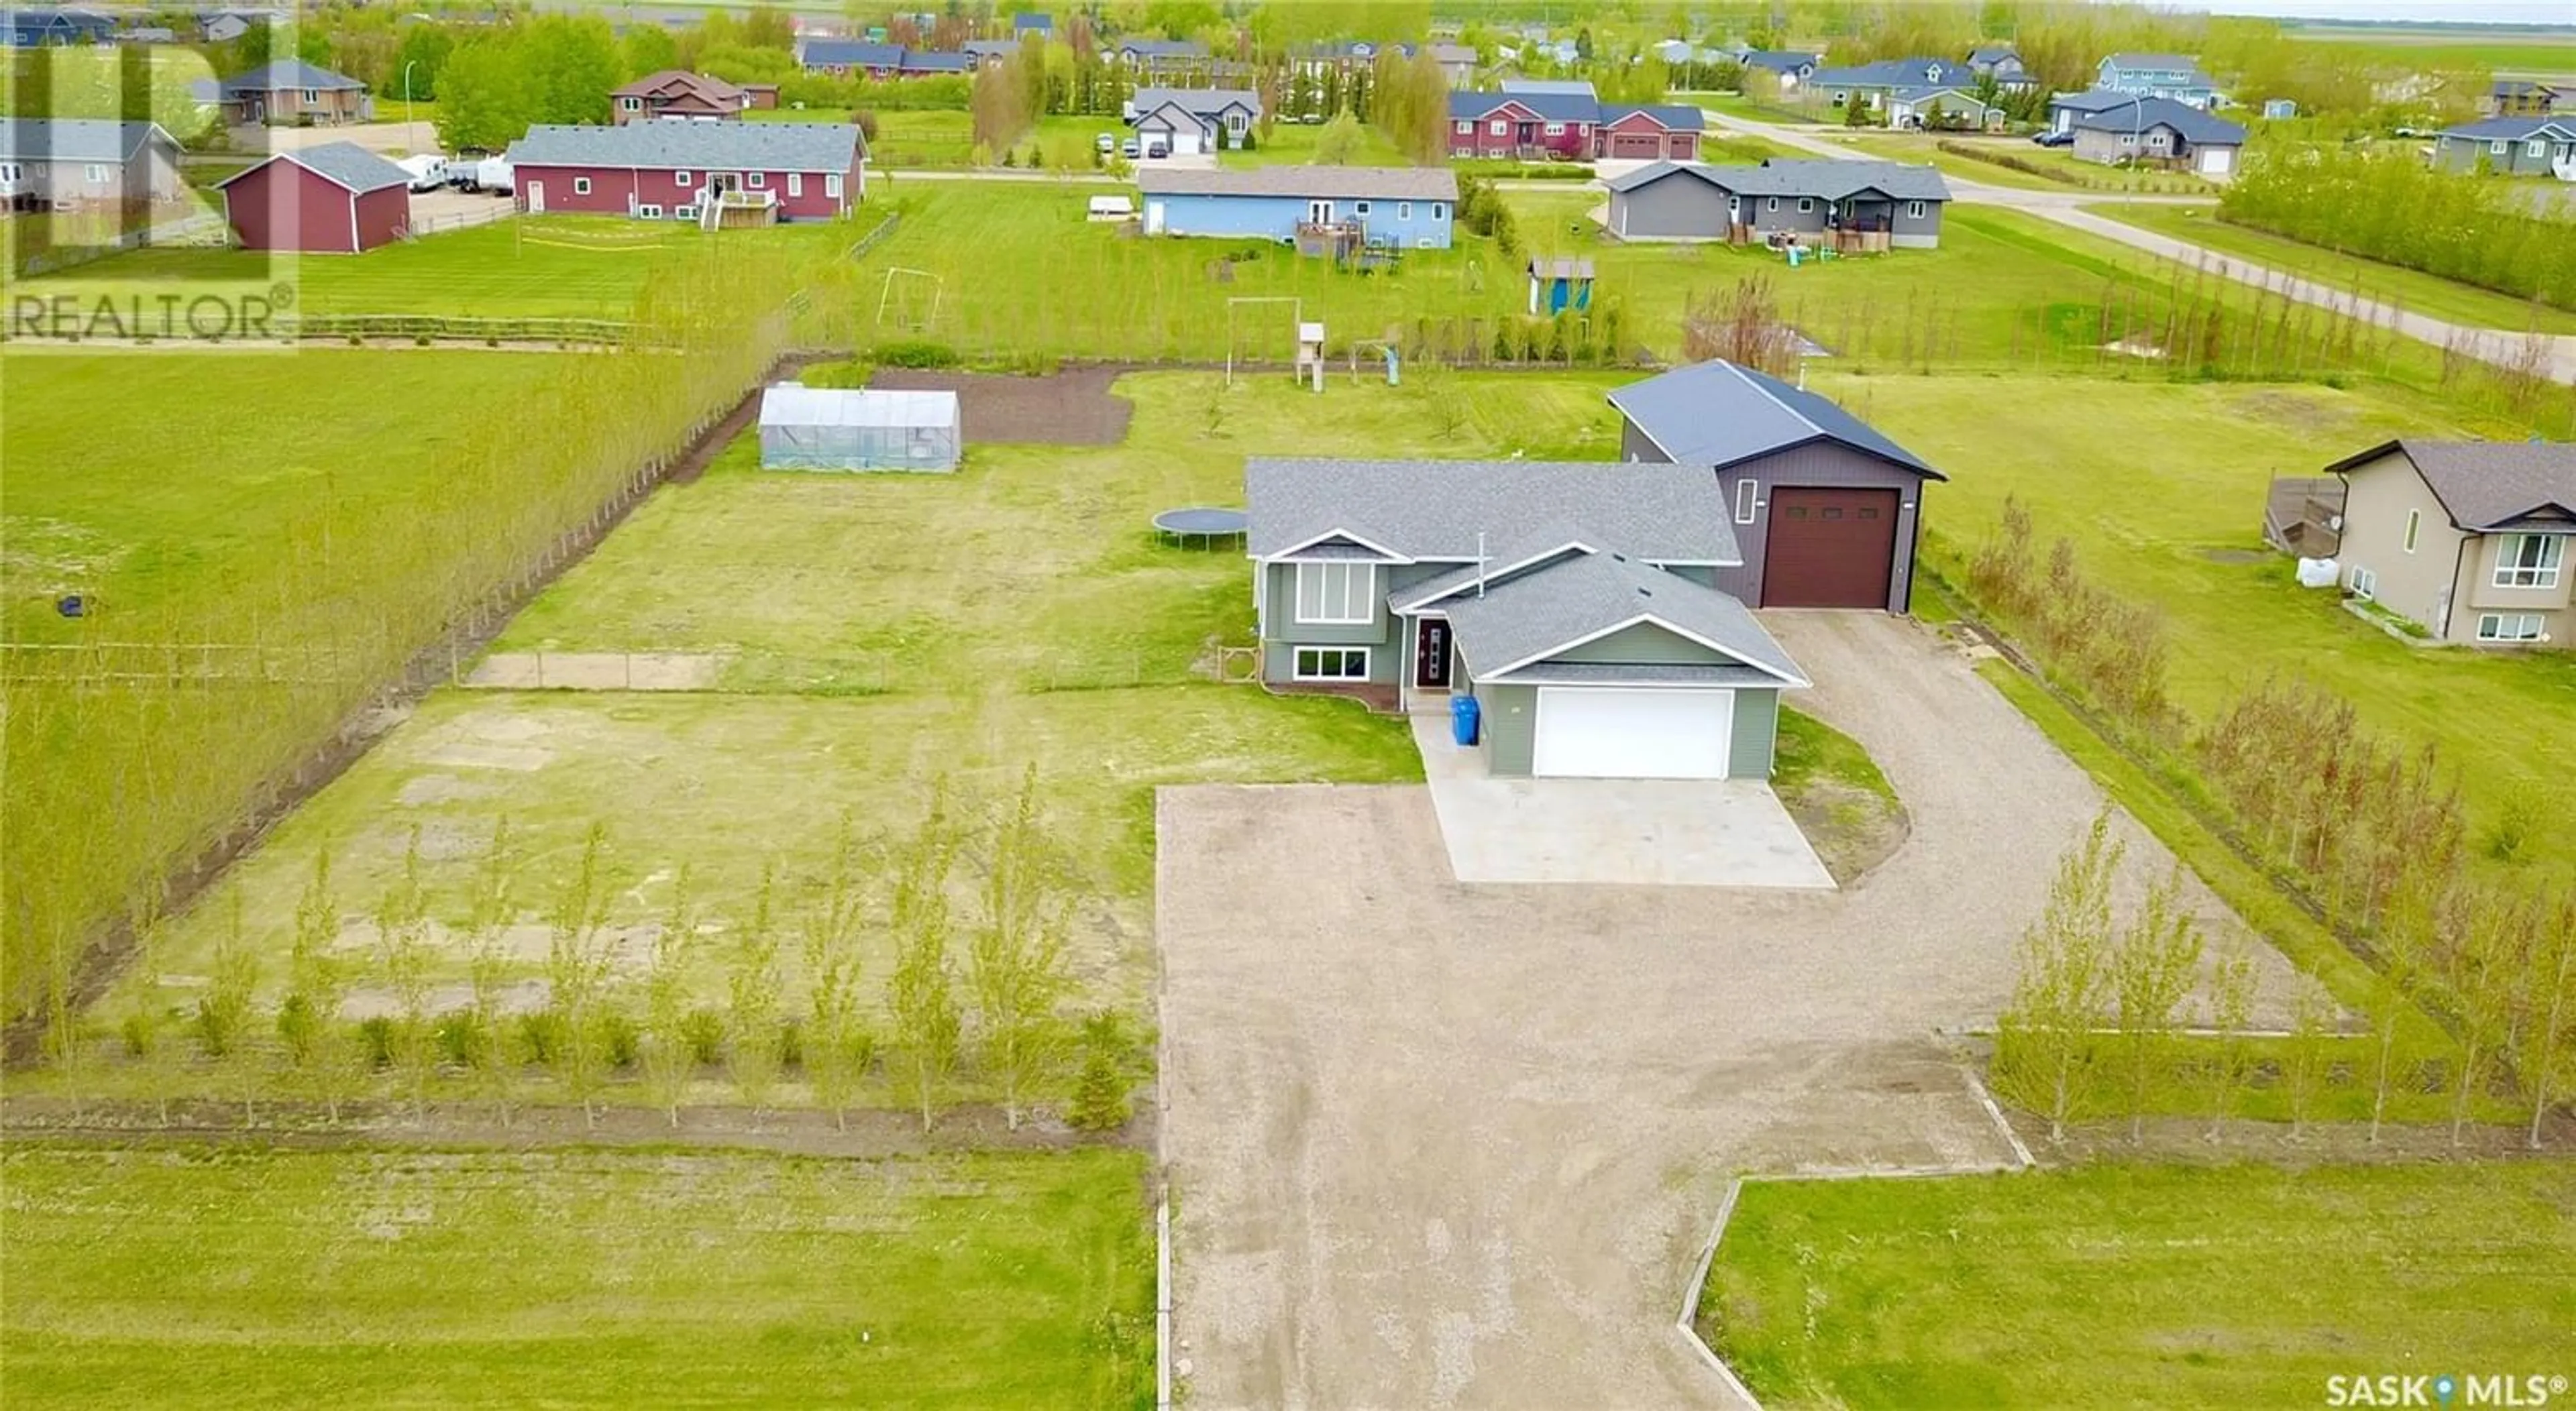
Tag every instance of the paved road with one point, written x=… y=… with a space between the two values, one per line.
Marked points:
x=1439 y=1145
x=2498 y=346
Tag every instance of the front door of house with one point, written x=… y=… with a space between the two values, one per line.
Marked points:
x=1319 y=213
x=1431 y=654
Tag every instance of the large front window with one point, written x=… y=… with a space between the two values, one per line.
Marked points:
x=2509 y=627
x=1332 y=663
x=2529 y=560
x=1336 y=592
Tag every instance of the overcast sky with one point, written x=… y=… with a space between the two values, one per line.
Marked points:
x=2527 y=12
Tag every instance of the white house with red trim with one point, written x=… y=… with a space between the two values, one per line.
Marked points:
x=669 y=169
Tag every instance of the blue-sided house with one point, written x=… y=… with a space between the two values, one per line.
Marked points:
x=1409 y=208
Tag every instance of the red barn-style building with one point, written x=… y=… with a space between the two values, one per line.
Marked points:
x=334 y=199
x=1538 y=120
x=668 y=169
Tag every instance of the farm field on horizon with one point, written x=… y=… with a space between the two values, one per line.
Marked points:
x=812 y=770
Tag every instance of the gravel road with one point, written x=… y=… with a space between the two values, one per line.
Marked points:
x=1436 y=1145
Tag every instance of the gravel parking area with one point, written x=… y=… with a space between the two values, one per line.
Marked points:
x=1443 y=1145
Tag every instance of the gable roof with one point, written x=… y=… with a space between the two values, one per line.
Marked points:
x=714 y=90
x=1561 y=87
x=2513 y=128
x=1889 y=73
x=2141 y=113
x=2187 y=63
x=1918 y=94
x=1163 y=48
x=1992 y=54
x=344 y=164
x=1586 y=596
x=1779 y=60
x=1826 y=178
x=286 y=74
x=1675 y=117
x=1352 y=183
x=1436 y=510
x=1198 y=102
x=1548 y=107
x=1022 y=23
x=1716 y=413
x=990 y=48
x=692 y=146
x=2490 y=486
x=823 y=50
x=2091 y=100
x=75 y=139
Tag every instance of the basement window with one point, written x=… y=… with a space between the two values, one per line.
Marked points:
x=2509 y=626
x=649 y=212
x=1332 y=664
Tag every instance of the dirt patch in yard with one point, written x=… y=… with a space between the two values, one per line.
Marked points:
x=1071 y=408
x=1852 y=829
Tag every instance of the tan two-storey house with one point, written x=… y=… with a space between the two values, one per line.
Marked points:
x=2475 y=541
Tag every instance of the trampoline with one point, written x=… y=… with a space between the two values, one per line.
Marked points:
x=1201 y=524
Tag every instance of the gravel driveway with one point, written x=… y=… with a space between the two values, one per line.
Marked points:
x=1439 y=1145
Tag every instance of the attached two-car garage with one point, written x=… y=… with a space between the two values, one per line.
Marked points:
x=1594 y=732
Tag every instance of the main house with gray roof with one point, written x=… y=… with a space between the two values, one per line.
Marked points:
x=2172 y=76
x=2159 y=131
x=1575 y=602
x=2536 y=145
x=667 y=169
x=1825 y=509
x=2470 y=540
x=1411 y=208
x=1188 y=121
x=1563 y=118
x=291 y=92
x=1848 y=204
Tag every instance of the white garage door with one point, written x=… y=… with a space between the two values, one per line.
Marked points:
x=2217 y=161
x=1185 y=143
x=1601 y=733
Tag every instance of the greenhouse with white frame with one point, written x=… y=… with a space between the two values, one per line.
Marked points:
x=839 y=428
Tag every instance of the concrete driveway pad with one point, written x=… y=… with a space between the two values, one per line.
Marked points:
x=1647 y=832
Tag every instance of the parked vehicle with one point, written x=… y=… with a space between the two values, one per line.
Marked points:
x=2053 y=139
x=1105 y=145
x=1158 y=150
x=427 y=173
x=493 y=174
x=1131 y=149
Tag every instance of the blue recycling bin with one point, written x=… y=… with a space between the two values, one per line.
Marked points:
x=1462 y=719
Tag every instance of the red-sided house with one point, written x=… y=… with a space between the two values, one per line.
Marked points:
x=1530 y=120
x=1544 y=119
x=1654 y=132
x=667 y=170
x=338 y=198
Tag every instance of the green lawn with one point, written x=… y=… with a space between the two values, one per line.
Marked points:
x=2115 y=1285
x=97 y=509
x=553 y=267
x=1290 y=143
x=219 y=1276
x=891 y=630
x=1069 y=288
x=2190 y=463
x=2412 y=290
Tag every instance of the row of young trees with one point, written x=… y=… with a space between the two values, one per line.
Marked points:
x=2462 y=226
x=145 y=739
x=981 y=985
x=2100 y=1021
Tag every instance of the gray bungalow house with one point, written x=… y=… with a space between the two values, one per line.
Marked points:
x=1858 y=202
x=2163 y=131
x=2512 y=146
x=72 y=162
x=1572 y=601
x=1826 y=509
x=1186 y=120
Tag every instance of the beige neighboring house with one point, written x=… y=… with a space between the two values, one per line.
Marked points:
x=2474 y=540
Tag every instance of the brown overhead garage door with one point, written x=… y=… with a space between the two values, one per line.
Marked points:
x=1636 y=144
x=1829 y=548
